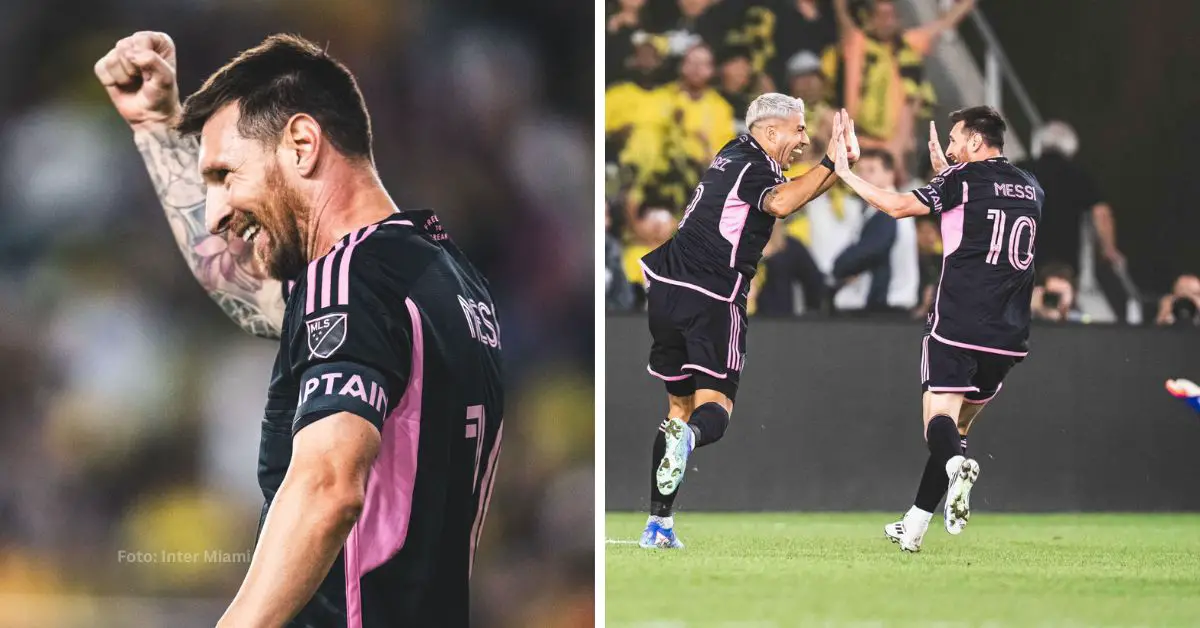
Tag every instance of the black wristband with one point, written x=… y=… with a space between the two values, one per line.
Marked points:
x=828 y=163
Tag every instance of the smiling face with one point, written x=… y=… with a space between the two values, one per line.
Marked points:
x=249 y=195
x=962 y=144
x=787 y=138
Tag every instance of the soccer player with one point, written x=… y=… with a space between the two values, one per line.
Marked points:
x=979 y=326
x=698 y=283
x=383 y=416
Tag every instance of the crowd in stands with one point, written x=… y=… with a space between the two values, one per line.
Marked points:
x=679 y=76
x=130 y=417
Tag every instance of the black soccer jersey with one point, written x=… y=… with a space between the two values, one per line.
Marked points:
x=990 y=212
x=396 y=326
x=721 y=236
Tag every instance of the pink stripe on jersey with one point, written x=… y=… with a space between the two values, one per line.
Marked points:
x=326 y=276
x=697 y=367
x=963 y=345
x=311 y=288
x=485 y=499
x=666 y=378
x=736 y=285
x=733 y=217
x=382 y=528
x=344 y=268
x=980 y=402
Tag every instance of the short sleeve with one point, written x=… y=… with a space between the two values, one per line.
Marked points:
x=352 y=352
x=945 y=191
x=754 y=181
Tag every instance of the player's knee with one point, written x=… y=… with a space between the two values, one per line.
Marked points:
x=711 y=420
x=680 y=407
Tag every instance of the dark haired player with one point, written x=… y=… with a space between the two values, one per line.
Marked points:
x=698 y=282
x=979 y=327
x=383 y=415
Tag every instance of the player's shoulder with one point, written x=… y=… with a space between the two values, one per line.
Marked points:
x=743 y=151
x=376 y=263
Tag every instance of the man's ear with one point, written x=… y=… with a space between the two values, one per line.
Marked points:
x=303 y=142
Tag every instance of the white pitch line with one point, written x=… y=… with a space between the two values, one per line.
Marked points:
x=619 y=542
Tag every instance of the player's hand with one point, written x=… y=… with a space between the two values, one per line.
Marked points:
x=937 y=156
x=841 y=160
x=835 y=132
x=853 y=152
x=139 y=76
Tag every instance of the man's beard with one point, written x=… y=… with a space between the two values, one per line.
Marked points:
x=285 y=259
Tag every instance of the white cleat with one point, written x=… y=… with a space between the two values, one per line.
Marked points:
x=963 y=472
x=680 y=439
x=906 y=533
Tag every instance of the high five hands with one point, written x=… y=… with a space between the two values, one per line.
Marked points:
x=843 y=143
x=843 y=131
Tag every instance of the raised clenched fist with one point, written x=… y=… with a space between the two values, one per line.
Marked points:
x=139 y=76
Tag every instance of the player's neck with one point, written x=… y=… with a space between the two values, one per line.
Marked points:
x=762 y=141
x=354 y=199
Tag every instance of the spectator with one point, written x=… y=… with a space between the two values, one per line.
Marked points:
x=800 y=26
x=623 y=23
x=1072 y=194
x=1182 y=306
x=1054 y=297
x=883 y=260
x=738 y=83
x=690 y=23
x=618 y=294
x=806 y=81
x=686 y=123
x=788 y=259
x=627 y=102
x=929 y=257
x=653 y=226
x=880 y=73
x=786 y=262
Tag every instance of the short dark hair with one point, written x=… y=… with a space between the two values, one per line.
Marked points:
x=277 y=79
x=985 y=121
x=889 y=162
x=1059 y=270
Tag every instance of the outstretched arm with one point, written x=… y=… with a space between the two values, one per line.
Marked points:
x=785 y=199
x=894 y=204
x=139 y=76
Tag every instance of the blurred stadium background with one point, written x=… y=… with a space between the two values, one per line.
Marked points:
x=130 y=411
x=1099 y=97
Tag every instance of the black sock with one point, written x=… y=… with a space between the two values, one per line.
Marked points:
x=709 y=422
x=943 y=439
x=660 y=505
x=944 y=443
x=933 y=485
x=962 y=440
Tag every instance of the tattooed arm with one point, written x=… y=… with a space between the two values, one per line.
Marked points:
x=139 y=76
x=223 y=264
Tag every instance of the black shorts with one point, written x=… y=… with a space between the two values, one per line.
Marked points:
x=979 y=375
x=699 y=342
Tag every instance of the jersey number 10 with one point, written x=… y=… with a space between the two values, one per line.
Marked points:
x=1022 y=224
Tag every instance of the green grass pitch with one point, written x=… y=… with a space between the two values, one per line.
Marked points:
x=768 y=570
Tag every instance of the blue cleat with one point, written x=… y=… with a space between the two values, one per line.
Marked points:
x=658 y=537
x=680 y=440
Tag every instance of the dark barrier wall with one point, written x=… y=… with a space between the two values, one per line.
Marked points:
x=828 y=418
